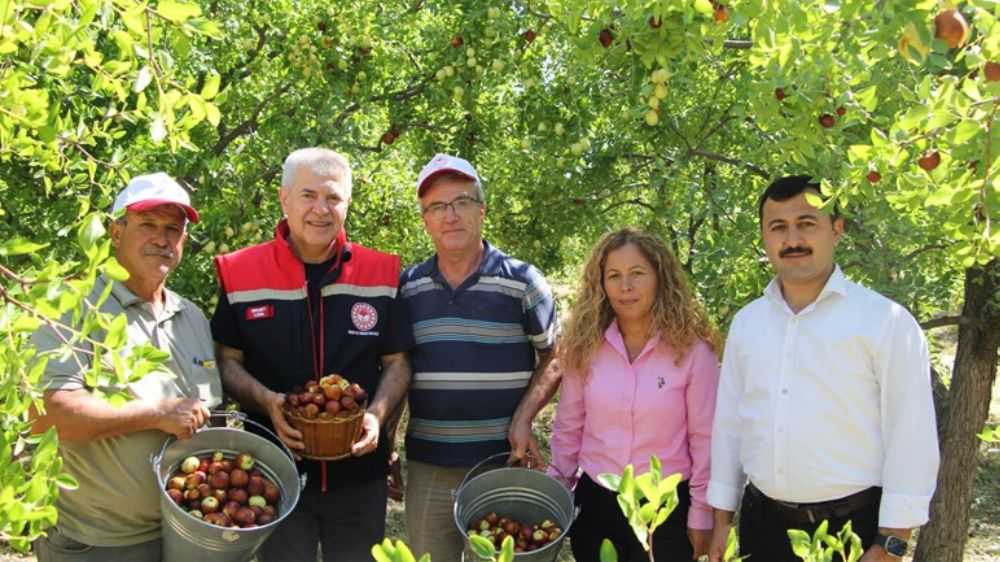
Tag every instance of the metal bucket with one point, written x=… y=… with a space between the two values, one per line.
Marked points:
x=186 y=538
x=521 y=493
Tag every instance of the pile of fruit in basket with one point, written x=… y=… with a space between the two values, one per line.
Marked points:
x=330 y=397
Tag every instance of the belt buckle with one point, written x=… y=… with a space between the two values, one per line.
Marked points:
x=812 y=516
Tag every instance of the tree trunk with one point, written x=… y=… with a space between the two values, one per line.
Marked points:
x=943 y=539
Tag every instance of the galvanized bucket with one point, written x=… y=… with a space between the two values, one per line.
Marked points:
x=524 y=494
x=186 y=538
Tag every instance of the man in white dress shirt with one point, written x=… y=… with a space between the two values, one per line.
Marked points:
x=824 y=401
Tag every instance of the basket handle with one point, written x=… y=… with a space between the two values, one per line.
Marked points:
x=472 y=470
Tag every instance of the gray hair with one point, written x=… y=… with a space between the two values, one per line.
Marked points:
x=320 y=161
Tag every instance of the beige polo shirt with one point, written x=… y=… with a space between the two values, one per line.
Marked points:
x=118 y=503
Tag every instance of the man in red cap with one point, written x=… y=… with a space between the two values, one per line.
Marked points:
x=114 y=515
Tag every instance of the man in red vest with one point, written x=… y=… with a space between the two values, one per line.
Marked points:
x=306 y=304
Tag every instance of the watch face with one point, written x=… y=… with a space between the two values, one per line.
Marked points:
x=895 y=546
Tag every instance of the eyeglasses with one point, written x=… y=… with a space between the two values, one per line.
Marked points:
x=461 y=206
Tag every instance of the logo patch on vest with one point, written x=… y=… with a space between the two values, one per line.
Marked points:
x=260 y=312
x=364 y=316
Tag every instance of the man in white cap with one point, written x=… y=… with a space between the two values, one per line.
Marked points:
x=485 y=327
x=114 y=515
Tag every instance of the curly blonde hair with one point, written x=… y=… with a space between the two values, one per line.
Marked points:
x=676 y=313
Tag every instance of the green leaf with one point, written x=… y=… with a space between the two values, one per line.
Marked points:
x=507 y=549
x=212 y=113
x=940 y=119
x=868 y=98
x=115 y=271
x=482 y=546
x=704 y=6
x=211 y=87
x=650 y=491
x=116 y=336
x=801 y=543
x=608 y=553
x=859 y=153
x=965 y=131
x=90 y=231
x=142 y=79
x=380 y=552
x=19 y=246
x=731 y=544
x=26 y=323
x=610 y=481
x=157 y=129
x=206 y=27
x=177 y=12
x=913 y=117
x=66 y=481
x=647 y=513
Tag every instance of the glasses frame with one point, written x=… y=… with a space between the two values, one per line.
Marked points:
x=430 y=209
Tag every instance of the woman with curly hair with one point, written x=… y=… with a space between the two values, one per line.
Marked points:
x=640 y=377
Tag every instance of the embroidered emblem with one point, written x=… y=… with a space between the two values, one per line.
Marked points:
x=364 y=316
x=660 y=382
x=260 y=312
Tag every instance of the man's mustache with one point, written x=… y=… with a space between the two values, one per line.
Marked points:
x=154 y=251
x=797 y=251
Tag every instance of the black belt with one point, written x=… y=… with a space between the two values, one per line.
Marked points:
x=816 y=512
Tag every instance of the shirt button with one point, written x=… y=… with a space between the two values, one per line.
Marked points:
x=784 y=391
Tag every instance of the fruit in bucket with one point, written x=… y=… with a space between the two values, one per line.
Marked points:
x=217 y=489
x=527 y=536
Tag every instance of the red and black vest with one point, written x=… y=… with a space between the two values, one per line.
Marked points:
x=288 y=338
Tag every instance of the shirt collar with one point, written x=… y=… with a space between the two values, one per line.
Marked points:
x=489 y=264
x=836 y=284
x=126 y=298
x=613 y=335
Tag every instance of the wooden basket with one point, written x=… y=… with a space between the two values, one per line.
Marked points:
x=328 y=440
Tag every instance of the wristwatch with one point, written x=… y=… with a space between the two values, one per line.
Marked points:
x=892 y=544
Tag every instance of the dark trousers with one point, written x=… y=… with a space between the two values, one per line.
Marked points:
x=346 y=522
x=764 y=532
x=601 y=518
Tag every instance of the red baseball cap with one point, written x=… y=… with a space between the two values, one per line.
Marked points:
x=443 y=164
x=152 y=190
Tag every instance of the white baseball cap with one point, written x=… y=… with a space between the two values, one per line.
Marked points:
x=152 y=190
x=442 y=164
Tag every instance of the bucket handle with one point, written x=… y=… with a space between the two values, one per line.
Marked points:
x=228 y=415
x=527 y=454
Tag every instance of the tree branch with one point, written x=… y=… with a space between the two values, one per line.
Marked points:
x=248 y=125
x=948 y=321
x=399 y=95
x=713 y=156
x=243 y=69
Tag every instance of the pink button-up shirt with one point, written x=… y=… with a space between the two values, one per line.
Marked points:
x=621 y=413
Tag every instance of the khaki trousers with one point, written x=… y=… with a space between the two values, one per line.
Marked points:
x=430 y=522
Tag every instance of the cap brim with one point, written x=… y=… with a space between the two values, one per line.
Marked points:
x=146 y=205
x=436 y=173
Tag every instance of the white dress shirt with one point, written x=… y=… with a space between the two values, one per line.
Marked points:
x=825 y=403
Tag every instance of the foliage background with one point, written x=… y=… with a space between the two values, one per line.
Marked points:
x=562 y=127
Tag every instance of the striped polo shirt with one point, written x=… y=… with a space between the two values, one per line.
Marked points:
x=474 y=355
